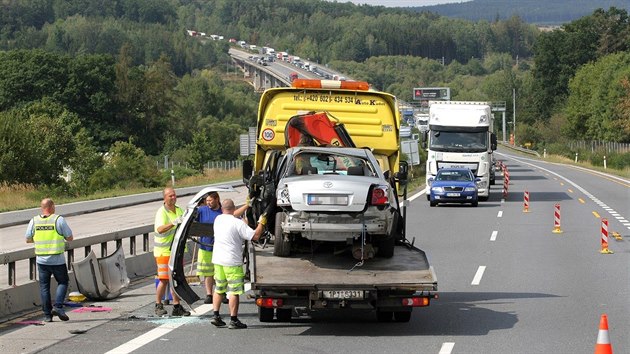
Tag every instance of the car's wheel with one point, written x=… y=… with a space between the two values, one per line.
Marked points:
x=402 y=316
x=384 y=316
x=265 y=314
x=281 y=245
x=475 y=204
x=284 y=315
x=432 y=204
x=483 y=199
x=428 y=196
x=386 y=247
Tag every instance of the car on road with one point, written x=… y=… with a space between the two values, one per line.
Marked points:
x=453 y=185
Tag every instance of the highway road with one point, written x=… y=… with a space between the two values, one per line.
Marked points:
x=507 y=284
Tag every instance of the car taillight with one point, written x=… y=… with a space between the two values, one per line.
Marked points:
x=379 y=196
x=268 y=302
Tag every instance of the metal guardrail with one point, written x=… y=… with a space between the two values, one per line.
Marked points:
x=11 y=258
x=524 y=150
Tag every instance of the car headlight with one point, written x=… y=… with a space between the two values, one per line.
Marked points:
x=438 y=189
x=481 y=184
x=470 y=189
x=282 y=197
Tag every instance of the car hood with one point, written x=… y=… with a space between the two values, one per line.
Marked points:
x=462 y=184
x=330 y=193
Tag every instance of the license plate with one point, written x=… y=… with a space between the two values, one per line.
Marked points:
x=318 y=199
x=452 y=194
x=343 y=294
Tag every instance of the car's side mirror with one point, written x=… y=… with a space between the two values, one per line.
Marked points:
x=248 y=170
x=430 y=181
x=425 y=135
x=493 y=141
x=403 y=172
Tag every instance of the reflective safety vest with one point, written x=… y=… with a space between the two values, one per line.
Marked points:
x=46 y=237
x=162 y=242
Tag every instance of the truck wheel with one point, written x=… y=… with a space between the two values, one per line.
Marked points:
x=483 y=199
x=281 y=246
x=474 y=204
x=384 y=316
x=265 y=314
x=402 y=316
x=386 y=247
x=284 y=315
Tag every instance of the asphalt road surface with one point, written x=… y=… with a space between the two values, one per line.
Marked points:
x=507 y=284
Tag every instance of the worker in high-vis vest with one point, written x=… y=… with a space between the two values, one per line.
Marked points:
x=166 y=220
x=50 y=232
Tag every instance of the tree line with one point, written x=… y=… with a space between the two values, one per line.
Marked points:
x=84 y=83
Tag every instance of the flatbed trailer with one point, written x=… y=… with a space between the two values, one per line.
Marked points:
x=316 y=281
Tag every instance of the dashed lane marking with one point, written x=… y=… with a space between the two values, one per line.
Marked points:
x=596 y=214
x=478 y=275
x=500 y=214
x=447 y=348
x=493 y=237
x=581 y=200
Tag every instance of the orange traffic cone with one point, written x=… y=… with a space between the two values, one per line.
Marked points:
x=603 y=345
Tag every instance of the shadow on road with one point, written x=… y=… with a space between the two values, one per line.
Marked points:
x=454 y=314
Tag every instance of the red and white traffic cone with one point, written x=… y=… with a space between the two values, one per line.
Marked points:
x=604 y=238
x=556 y=220
x=526 y=202
x=506 y=182
x=603 y=345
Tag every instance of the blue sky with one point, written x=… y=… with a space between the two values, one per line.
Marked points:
x=401 y=3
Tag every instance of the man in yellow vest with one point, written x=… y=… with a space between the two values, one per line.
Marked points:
x=166 y=220
x=49 y=232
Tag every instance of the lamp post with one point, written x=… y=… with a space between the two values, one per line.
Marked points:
x=514 y=113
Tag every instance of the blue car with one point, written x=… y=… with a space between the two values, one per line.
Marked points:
x=453 y=185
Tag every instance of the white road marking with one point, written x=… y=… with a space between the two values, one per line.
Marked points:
x=156 y=333
x=500 y=214
x=411 y=199
x=493 y=237
x=478 y=275
x=588 y=194
x=447 y=348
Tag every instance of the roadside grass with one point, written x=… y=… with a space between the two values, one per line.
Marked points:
x=564 y=160
x=567 y=161
x=25 y=196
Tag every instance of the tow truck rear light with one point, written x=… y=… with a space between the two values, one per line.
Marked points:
x=379 y=196
x=415 y=301
x=268 y=302
x=331 y=84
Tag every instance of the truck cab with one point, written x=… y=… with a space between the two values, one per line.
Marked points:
x=336 y=202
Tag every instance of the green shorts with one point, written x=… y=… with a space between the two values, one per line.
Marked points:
x=229 y=279
x=204 y=263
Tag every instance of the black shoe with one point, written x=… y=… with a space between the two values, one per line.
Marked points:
x=225 y=300
x=237 y=325
x=159 y=310
x=217 y=321
x=59 y=312
x=48 y=318
x=208 y=299
x=179 y=310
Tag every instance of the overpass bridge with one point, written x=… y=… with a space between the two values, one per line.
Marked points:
x=274 y=74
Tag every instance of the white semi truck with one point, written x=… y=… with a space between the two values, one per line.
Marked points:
x=461 y=135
